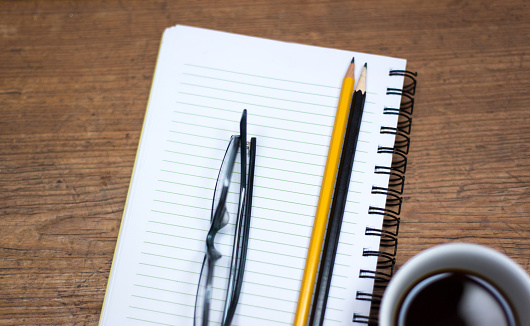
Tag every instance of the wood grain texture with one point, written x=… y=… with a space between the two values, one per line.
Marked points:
x=75 y=79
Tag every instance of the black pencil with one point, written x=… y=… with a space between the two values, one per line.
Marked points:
x=338 y=205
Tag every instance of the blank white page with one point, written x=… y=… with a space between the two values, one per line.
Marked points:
x=203 y=81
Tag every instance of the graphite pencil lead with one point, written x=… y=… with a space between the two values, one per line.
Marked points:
x=353 y=60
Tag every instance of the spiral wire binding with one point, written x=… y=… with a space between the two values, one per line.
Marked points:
x=388 y=234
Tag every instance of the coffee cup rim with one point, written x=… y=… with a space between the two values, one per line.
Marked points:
x=491 y=265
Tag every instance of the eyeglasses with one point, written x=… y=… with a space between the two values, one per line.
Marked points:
x=217 y=304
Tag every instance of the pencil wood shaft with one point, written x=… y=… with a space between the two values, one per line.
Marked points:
x=324 y=200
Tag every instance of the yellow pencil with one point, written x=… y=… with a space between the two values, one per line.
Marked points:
x=324 y=200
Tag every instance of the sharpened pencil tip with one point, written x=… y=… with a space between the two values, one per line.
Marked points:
x=361 y=83
x=366 y=64
x=351 y=69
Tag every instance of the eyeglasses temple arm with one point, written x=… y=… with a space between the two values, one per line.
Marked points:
x=245 y=235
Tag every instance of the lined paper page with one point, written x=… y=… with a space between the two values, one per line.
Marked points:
x=203 y=81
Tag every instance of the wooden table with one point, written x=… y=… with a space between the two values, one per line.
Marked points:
x=74 y=83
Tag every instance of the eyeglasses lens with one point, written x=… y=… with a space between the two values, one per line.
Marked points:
x=212 y=292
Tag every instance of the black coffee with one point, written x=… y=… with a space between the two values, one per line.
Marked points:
x=454 y=299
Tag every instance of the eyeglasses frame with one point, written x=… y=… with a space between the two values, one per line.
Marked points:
x=242 y=226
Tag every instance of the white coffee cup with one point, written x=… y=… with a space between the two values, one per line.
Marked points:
x=504 y=274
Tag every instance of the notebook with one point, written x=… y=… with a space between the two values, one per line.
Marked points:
x=202 y=82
